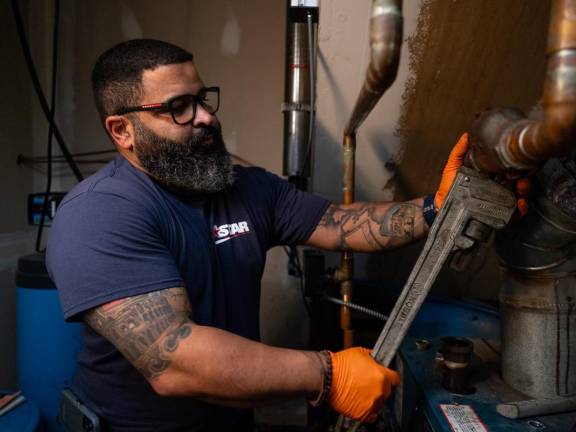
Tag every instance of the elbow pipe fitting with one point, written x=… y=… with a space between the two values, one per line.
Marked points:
x=503 y=141
x=385 y=43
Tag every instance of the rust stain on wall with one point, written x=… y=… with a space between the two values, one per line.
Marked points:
x=466 y=55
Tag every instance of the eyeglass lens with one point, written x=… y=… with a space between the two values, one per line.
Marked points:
x=183 y=109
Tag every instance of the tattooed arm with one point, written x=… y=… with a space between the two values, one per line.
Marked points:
x=180 y=358
x=369 y=227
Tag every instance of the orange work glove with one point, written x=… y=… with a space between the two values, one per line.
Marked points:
x=455 y=160
x=523 y=186
x=359 y=384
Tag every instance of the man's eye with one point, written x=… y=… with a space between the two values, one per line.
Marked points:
x=179 y=106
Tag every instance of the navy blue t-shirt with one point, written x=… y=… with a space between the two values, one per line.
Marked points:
x=119 y=234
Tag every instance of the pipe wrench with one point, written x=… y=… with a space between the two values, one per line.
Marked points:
x=474 y=207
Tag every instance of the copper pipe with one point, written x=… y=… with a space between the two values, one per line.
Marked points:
x=385 y=43
x=504 y=142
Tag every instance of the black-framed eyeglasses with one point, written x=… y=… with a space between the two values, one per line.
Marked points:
x=183 y=107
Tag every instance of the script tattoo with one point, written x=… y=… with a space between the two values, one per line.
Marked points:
x=368 y=226
x=146 y=329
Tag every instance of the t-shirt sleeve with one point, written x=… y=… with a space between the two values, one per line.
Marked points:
x=104 y=247
x=296 y=213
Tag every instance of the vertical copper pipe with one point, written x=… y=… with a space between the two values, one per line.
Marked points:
x=385 y=43
x=518 y=143
x=347 y=267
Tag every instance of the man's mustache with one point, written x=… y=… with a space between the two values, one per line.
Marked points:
x=205 y=133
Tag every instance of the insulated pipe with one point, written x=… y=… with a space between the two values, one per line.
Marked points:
x=502 y=140
x=298 y=108
x=385 y=43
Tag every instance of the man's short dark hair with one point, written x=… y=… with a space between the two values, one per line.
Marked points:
x=117 y=74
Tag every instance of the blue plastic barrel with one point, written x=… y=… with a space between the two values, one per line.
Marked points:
x=46 y=346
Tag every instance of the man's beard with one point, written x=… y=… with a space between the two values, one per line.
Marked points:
x=193 y=165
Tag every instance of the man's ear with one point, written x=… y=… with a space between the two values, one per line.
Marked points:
x=121 y=130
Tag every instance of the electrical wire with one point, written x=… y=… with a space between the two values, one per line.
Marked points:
x=357 y=307
x=32 y=159
x=38 y=89
x=56 y=160
x=51 y=122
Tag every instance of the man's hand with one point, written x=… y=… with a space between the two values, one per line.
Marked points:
x=455 y=161
x=359 y=384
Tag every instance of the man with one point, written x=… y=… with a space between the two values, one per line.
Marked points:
x=161 y=253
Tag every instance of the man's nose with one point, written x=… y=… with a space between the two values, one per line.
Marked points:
x=204 y=118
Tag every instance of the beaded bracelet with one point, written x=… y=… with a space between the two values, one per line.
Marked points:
x=326 y=365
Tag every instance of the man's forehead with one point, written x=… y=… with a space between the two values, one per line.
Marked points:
x=170 y=80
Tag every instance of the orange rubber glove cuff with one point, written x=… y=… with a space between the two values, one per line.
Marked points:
x=359 y=384
x=455 y=160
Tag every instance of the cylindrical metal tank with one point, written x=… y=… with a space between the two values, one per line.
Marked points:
x=46 y=346
x=538 y=296
x=538 y=335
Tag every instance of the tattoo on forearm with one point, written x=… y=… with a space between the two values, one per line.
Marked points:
x=399 y=221
x=147 y=328
x=373 y=226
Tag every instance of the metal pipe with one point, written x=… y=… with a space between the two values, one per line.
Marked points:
x=346 y=293
x=298 y=107
x=536 y=407
x=385 y=43
x=501 y=141
x=357 y=307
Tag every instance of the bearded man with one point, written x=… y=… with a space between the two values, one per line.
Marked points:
x=161 y=253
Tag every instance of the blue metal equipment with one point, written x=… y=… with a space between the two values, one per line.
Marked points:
x=423 y=404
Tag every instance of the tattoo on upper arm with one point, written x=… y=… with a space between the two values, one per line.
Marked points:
x=372 y=224
x=146 y=328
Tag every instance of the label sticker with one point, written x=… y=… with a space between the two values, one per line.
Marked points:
x=462 y=418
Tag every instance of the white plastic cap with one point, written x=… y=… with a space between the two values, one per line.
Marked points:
x=304 y=3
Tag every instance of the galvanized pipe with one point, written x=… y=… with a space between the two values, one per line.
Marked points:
x=538 y=295
x=385 y=43
x=298 y=107
x=499 y=145
x=537 y=407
